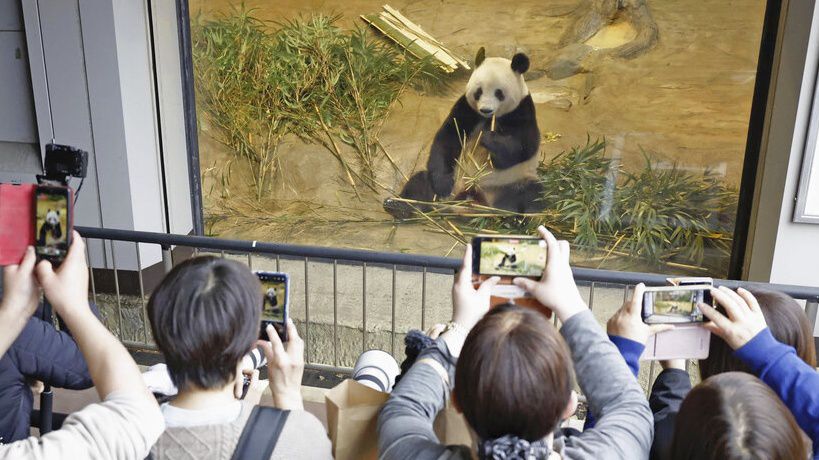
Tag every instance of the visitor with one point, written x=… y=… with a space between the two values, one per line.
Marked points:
x=735 y=416
x=628 y=332
x=510 y=373
x=205 y=318
x=127 y=421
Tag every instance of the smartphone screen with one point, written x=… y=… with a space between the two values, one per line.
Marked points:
x=675 y=305
x=275 y=303
x=52 y=222
x=509 y=256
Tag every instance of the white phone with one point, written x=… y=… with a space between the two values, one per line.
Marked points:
x=685 y=341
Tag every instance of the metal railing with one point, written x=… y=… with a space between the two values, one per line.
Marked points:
x=606 y=289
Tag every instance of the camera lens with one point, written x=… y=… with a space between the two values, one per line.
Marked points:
x=376 y=369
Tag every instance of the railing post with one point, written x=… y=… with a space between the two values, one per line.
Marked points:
x=167 y=258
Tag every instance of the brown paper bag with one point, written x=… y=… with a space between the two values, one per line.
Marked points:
x=352 y=413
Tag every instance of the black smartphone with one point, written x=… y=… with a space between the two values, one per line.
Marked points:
x=508 y=255
x=53 y=222
x=675 y=304
x=275 y=303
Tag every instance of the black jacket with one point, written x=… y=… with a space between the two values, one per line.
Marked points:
x=40 y=352
x=667 y=394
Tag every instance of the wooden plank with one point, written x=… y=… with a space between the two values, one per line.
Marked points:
x=413 y=45
x=422 y=33
x=434 y=50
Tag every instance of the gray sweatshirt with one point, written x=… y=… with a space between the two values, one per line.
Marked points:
x=624 y=428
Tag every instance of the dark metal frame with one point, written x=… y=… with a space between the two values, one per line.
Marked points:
x=189 y=108
x=374 y=258
x=756 y=129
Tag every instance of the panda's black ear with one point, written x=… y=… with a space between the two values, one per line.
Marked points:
x=480 y=57
x=520 y=63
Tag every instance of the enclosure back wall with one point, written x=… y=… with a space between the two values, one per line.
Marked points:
x=309 y=119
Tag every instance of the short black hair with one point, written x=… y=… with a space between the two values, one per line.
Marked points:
x=205 y=317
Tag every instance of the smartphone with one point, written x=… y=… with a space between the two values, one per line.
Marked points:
x=675 y=304
x=53 y=222
x=685 y=341
x=690 y=281
x=275 y=303
x=508 y=255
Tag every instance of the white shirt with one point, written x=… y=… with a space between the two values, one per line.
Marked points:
x=176 y=417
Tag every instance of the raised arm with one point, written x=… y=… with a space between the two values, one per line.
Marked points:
x=20 y=298
x=744 y=329
x=405 y=424
x=110 y=365
x=624 y=427
x=128 y=422
x=446 y=147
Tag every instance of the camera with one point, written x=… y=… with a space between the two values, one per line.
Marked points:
x=62 y=162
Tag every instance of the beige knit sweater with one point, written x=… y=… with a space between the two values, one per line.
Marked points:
x=303 y=437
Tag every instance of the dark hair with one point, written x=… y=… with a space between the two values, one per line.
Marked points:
x=204 y=318
x=514 y=375
x=735 y=416
x=788 y=324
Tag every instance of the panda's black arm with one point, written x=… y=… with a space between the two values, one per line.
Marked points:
x=446 y=148
x=517 y=137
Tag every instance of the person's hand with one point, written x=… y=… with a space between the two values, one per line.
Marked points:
x=435 y=331
x=628 y=323
x=470 y=304
x=556 y=289
x=744 y=320
x=673 y=364
x=20 y=291
x=285 y=367
x=242 y=373
x=67 y=287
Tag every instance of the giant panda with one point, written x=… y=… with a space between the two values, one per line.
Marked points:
x=51 y=228
x=496 y=89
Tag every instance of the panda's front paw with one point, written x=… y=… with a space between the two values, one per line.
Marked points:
x=442 y=184
x=489 y=139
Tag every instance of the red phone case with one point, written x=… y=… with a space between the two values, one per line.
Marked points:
x=16 y=221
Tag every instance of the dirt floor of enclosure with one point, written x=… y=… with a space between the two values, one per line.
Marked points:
x=686 y=101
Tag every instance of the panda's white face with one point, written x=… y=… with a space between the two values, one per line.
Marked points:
x=494 y=88
x=52 y=217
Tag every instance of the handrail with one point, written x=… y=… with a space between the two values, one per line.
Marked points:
x=400 y=259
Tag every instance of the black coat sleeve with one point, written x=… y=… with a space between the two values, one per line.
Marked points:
x=446 y=147
x=42 y=352
x=667 y=394
x=516 y=137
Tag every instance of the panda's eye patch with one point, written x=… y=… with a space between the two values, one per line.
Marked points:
x=499 y=95
x=478 y=93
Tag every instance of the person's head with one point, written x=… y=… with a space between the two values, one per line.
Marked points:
x=205 y=317
x=514 y=375
x=734 y=415
x=788 y=324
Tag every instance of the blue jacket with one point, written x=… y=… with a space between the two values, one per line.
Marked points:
x=796 y=383
x=40 y=352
